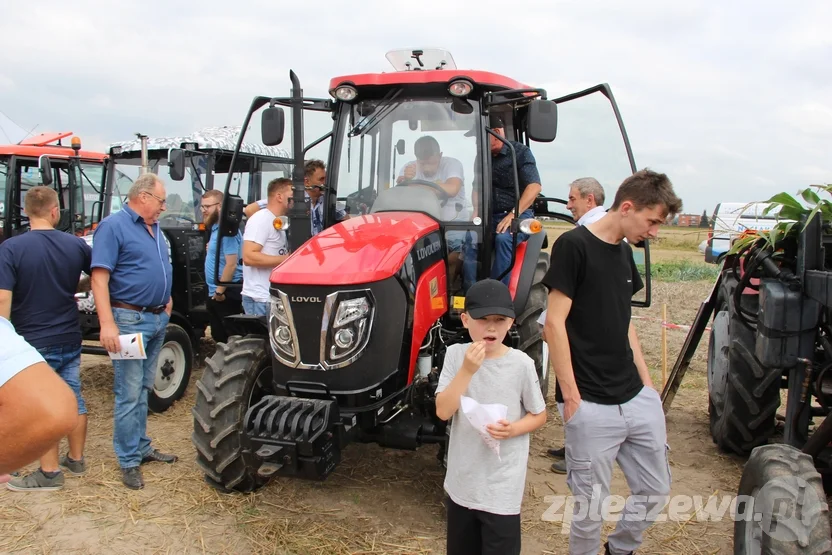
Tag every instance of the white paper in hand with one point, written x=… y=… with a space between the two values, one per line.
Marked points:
x=131 y=347
x=481 y=416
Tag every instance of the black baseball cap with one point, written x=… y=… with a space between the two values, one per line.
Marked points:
x=488 y=297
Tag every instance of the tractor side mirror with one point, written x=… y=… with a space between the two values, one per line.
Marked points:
x=176 y=164
x=272 y=125
x=542 y=121
x=45 y=170
x=231 y=215
x=400 y=147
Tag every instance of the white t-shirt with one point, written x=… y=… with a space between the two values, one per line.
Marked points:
x=16 y=354
x=590 y=217
x=448 y=169
x=260 y=229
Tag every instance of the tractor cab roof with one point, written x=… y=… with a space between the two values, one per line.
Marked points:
x=50 y=145
x=210 y=138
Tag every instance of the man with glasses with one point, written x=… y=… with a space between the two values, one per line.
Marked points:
x=131 y=283
x=223 y=301
x=314 y=178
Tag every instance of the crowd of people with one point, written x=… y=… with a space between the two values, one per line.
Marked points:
x=604 y=394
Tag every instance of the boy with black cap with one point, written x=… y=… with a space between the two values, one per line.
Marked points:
x=485 y=491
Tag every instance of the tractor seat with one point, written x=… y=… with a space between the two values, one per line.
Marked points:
x=407 y=199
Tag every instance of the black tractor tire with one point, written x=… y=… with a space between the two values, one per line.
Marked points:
x=781 y=508
x=235 y=377
x=743 y=395
x=173 y=369
x=531 y=336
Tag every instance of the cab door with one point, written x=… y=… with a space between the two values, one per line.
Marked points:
x=591 y=142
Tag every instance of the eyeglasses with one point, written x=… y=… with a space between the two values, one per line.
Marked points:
x=205 y=207
x=160 y=199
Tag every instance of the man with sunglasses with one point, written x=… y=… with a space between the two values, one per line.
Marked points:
x=314 y=178
x=223 y=301
x=131 y=282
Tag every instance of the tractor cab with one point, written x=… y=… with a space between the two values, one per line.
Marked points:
x=361 y=313
x=189 y=166
x=55 y=160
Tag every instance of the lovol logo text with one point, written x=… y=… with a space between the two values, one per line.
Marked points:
x=425 y=252
x=306 y=299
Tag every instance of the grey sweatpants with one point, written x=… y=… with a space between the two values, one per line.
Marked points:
x=633 y=434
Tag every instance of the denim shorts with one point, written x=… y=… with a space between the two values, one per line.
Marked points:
x=65 y=360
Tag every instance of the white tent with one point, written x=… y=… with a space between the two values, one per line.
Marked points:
x=10 y=132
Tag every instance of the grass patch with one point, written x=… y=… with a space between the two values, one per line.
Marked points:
x=682 y=270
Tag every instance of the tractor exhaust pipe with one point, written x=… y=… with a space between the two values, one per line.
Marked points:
x=145 y=167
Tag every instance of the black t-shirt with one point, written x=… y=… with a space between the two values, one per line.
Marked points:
x=42 y=269
x=601 y=279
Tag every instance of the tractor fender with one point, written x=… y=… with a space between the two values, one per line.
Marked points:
x=522 y=274
x=247 y=324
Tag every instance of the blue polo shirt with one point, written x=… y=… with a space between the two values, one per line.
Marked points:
x=230 y=246
x=502 y=175
x=139 y=263
x=41 y=268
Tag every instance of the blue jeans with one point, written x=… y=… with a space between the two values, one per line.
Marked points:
x=132 y=384
x=250 y=306
x=65 y=360
x=502 y=245
x=502 y=251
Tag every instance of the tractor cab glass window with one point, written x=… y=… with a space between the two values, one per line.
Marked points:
x=411 y=154
x=92 y=184
x=588 y=144
x=28 y=176
x=183 y=197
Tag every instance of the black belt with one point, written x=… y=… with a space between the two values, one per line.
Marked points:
x=128 y=306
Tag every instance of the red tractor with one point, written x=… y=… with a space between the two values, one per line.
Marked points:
x=363 y=312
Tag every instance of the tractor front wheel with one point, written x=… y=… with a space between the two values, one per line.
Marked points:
x=781 y=507
x=238 y=375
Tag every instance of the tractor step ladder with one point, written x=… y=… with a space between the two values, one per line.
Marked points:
x=674 y=380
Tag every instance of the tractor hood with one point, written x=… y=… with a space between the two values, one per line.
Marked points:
x=362 y=249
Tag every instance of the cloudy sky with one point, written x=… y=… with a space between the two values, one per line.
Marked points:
x=733 y=100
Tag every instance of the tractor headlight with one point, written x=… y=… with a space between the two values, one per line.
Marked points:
x=348 y=319
x=282 y=332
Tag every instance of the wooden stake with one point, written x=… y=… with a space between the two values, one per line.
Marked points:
x=664 y=345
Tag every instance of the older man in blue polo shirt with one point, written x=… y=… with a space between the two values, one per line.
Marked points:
x=131 y=282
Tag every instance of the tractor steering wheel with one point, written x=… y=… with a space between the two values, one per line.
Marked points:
x=443 y=194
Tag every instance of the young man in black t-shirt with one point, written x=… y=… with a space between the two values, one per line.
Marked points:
x=611 y=410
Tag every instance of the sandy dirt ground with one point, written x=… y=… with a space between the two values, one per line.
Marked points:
x=377 y=501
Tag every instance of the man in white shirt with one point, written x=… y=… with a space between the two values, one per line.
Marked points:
x=314 y=183
x=37 y=408
x=586 y=202
x=264 y=247
x=444 y=171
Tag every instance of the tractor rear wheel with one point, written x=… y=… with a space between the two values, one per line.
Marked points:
x=531 y=337
x=781 y=507
x=238 y=375
x=743 y=395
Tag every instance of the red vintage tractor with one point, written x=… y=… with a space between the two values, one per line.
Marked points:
x=363 y=312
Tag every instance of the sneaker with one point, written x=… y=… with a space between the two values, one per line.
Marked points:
x=557 y=453
x=559 y=467
x=156 y=456
x=37 y=481
x=608 y=552
x=132 y=477
x=73 y=467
